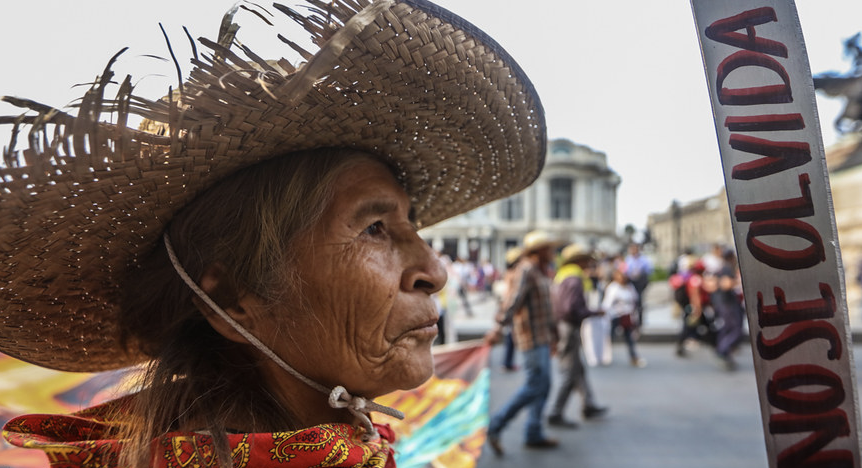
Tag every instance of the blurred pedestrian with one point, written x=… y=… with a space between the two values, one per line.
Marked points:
x=529 y=311
x=729 y=311
x=696 y=316
x=596 y=330
x=489 y=277
x=463 y=271
x=712 y=260
x=682 y=264
x=572 y=283
x=638 y=269
x=620 y=303
x=503 y=288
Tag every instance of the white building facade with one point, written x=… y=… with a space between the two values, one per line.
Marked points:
x=574 y=199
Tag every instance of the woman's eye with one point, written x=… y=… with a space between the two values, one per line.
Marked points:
x=374 y=229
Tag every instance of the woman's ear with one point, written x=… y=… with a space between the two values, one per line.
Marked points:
x=239 y=305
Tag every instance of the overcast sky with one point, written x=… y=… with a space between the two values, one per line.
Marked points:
x=622 y=77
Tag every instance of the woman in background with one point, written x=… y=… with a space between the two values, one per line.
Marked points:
x=620 y=303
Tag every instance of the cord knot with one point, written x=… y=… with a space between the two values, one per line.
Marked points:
x=339 y=397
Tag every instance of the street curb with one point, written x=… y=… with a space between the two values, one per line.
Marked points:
x=653 y=336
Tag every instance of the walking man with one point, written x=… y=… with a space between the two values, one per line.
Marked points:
x=570 y=309
x=529 y=312
x=638 y=269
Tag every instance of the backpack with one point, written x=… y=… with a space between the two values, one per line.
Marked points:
x=678 y=283
x=680 y=296
x=561 y=311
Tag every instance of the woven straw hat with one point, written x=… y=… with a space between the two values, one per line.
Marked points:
x=423 y=89
x=538 y=239
x=513 y=254
x=574 y=252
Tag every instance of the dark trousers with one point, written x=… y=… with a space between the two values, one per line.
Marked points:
x=700 y=329
x=628 y=336
x=640 y=285
x=730 y=332
x=532 y=395
x=509 y=352
x=572 y=370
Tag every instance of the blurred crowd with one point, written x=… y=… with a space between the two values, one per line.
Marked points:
x=570 y=303
x=706 y=288
x=709 y=299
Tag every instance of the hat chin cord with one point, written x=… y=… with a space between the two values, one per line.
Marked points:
x=339 y=397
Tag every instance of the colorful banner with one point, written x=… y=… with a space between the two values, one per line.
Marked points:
x=781 y=211
x=444 y=425
x=29 y=389
x=446 y=418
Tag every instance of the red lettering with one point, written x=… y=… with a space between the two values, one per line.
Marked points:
x=796 y=334
x=768 y=94
x=764 y=123
x=812 y=428
x=799 y=207
x=783 y=312
x=785 y=259
x=723 y=31
x=781 y=394
x=824 y=428
x=778 y=156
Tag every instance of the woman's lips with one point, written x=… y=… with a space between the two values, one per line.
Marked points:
x=428 y=327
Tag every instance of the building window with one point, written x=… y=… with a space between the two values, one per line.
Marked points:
x=512 y=208
x=561 y=198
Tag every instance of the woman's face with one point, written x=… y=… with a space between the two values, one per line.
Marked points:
x=368 y=278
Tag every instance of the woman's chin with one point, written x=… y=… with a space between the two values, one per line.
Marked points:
x=411 y=374
x=422 y=370
x=421 y=378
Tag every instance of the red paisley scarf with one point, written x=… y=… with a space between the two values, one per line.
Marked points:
x=82 y=440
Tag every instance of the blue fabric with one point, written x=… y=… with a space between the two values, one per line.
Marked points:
x=532 y=395
x=509 y=354
x=459 y=420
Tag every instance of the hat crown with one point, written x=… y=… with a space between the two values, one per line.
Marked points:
x=513 y=254
x=537 y=239
x=575 y=251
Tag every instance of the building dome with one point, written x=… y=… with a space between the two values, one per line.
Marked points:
x=574 y=199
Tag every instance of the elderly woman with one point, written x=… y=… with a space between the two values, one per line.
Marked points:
x=255 y=241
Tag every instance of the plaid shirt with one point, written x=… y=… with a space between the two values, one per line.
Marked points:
x=528 y=307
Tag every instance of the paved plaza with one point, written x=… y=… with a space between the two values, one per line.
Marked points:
x=674 y=413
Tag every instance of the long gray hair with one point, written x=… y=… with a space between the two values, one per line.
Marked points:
x=248 y=225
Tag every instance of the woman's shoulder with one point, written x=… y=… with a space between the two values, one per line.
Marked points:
x=612 y=289
x=76 y=439
x=92 y=423
x=89 y=439
x=319 y=445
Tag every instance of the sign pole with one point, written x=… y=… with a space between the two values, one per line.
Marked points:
x=784 y=228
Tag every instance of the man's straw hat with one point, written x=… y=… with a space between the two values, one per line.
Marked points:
x=535 y=240
x=575 y=252
x=422 y=88
x=513 y=254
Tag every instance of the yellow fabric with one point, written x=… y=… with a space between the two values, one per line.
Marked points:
x=570 y=269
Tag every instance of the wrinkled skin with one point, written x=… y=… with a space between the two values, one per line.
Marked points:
x=368 y=277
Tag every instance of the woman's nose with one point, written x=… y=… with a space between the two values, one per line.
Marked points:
x=424 y=270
